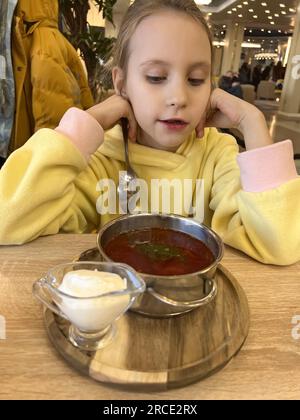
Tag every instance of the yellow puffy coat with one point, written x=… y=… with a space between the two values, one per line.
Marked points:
x=49 y=77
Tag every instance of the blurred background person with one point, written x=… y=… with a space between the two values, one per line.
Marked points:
x=48 y=74
x=267 y=72
x=256 y=76
x=7 y=90
x=230 y=82
x=278 y=72
x=245 y=74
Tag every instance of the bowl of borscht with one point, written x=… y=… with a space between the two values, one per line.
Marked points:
x=176 y=256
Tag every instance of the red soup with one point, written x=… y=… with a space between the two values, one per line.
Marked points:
x=163 y=252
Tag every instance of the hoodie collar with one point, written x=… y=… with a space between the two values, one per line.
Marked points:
x=113 y=148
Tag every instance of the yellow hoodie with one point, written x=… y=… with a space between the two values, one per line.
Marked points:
x=47 y=187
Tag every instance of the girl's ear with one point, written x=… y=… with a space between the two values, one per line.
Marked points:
x=118 y=80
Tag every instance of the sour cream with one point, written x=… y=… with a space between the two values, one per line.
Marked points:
x=84 y=303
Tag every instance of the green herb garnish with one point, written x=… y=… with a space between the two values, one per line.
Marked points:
x=160 y=252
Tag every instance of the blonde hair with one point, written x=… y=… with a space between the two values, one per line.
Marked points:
x=141 y=9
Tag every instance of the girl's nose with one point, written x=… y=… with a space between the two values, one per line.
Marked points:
x=177 y=97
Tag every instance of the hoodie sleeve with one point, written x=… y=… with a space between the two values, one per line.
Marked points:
x=46 y=187
x=264 y=220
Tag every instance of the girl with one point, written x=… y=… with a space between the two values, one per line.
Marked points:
x=162 y=79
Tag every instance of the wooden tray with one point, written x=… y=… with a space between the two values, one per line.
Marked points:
x=159 y=354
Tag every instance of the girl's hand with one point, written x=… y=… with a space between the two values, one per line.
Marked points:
x=110 y=111
x=228 y=111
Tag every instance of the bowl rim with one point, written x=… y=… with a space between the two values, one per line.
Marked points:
x=205 y=270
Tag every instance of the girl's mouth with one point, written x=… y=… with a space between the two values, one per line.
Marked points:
x=174 y=124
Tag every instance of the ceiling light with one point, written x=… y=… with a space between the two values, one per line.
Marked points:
x=276 y=15
x=264 y=56
x=250 y=45
x=272 y=23
x=240 y=16
x=218 y=43
x=283 y=12
x=282 y=5
x=264 y=4
x=292 y=10
x=267 y=11
x=229 y=12
x=203 y=2
x=255 y=17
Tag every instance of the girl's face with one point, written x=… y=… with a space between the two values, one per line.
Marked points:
x=168 y=79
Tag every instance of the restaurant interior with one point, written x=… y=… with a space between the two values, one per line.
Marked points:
x=65 y=333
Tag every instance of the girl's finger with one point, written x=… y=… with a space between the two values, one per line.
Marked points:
x=200 y=128
x=199 y=132
x=132 y=132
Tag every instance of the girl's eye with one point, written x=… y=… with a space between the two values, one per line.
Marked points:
x=196 y=82
x=155 y=79
x=160 y=79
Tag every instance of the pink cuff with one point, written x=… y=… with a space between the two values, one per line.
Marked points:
x=83 y=130
x=267 y=167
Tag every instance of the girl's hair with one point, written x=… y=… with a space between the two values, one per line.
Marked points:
x=141 y=9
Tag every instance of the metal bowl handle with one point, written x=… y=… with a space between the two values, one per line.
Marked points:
x=191 y=304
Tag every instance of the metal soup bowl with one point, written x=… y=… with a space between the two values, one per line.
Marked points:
x=169 y=295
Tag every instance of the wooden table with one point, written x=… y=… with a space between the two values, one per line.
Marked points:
x=268 y=365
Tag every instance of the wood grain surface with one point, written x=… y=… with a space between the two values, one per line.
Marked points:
x=268 y=366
